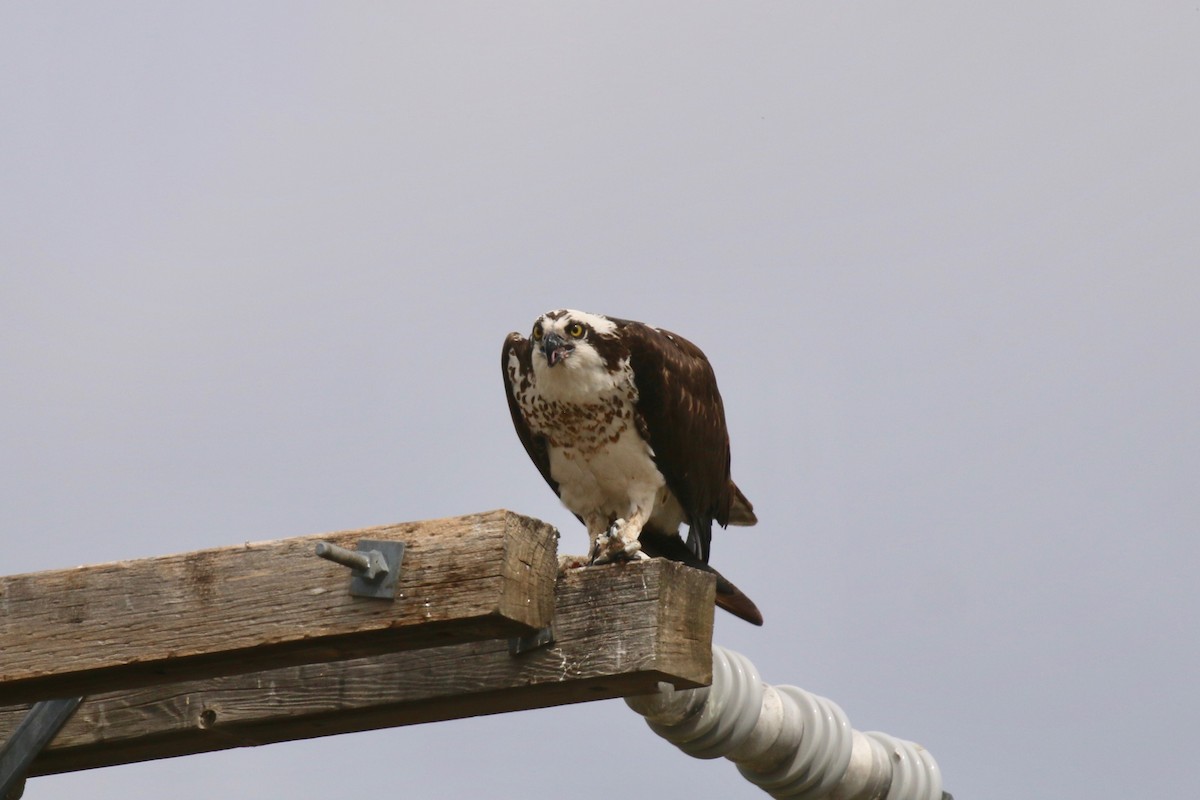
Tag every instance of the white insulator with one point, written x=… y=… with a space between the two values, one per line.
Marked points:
x=791 y=743
x=812 y=749
x=914 y=772
x=721 y=715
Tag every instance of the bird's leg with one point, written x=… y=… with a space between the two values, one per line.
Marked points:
x=597 y=528
x=620 y=541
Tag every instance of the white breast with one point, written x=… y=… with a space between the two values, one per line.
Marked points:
x=610 y=481
x=603 y=467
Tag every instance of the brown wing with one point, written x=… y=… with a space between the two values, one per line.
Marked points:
x=535 y=446
x=683 y=419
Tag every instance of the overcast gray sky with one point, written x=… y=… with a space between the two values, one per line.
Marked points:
x=257 y=261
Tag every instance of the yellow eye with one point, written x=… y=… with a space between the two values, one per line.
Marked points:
x=537 y=332
x=575 y=331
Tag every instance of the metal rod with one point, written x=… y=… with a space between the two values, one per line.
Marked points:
x=340 y=555
x=39 y=727
x=375 y=565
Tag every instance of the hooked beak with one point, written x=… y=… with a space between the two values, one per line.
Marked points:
x=556 y=348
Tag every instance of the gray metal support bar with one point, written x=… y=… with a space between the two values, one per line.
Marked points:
x=39 y=727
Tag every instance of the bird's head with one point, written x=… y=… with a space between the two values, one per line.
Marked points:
x=570 y=340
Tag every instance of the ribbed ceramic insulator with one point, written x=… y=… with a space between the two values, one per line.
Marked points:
x=791 y=743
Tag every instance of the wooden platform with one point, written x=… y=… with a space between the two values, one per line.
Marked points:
x=262 y=643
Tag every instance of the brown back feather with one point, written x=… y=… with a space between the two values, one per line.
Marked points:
x=681 y=415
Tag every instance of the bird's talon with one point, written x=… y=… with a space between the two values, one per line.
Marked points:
x=611 y=546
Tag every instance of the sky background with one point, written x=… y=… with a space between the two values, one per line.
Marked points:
x=257 y=261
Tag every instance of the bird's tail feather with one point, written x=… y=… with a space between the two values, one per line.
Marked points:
x=741 y=510
x=729 y=597
x=733 y=600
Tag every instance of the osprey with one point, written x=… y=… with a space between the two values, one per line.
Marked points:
x=625 y=423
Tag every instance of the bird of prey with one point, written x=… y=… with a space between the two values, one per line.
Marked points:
x=625 y=423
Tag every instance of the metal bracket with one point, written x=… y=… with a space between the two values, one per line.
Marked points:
x=523 y=644
x=40 y=725
x=375 y=565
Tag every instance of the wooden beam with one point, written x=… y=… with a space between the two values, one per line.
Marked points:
x=268 y=605
x=619 y=630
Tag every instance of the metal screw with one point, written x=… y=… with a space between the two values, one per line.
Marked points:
x=372 y=563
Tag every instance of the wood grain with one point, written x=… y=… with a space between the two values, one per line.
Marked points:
x=619 y=630
x=268 y=604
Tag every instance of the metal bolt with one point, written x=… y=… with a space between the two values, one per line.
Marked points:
x=372 y=563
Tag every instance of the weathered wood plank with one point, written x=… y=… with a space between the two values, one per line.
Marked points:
x=619 y=630
x=269 y=604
